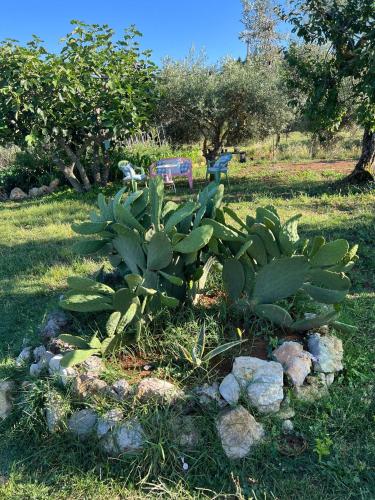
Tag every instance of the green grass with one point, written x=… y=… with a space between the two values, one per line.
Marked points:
x=35 y=260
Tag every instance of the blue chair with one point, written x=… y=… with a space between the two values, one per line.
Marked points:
x=220 y=166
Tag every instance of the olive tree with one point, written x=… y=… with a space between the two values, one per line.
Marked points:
x=221 y=104
x=347 y=28
x=81 y=100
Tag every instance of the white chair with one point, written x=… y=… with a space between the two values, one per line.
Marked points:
x=130 y=174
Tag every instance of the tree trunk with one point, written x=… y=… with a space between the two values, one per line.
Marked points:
x=106 y=166
x=76 y=163
x=366 y=161
x=69 y=175
x=96 y=165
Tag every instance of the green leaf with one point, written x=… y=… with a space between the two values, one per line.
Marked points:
x=127 y=317
x=169 y=301
x=196 y=240
x=112 y=323
x=331 y=253
x=324 y=295
x=288 y=236
x=88 y=285
x=89 y=227
x=233 y=278
x=175 y=280
x=73 y=340
x=88 y=247
x=222 y=232
x=303 y=325
x=156 y=199
x=86 y=303
x=220 y=349
x=275 y=314
x=124 y=216
x=179 y=215
x=133 y=280
x=159 y=252
x=123 y=299
x=279 y=279
x=73 y=358
x=131 y=252
x=344 y=327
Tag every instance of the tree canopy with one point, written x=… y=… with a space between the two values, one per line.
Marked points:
x=96 y=90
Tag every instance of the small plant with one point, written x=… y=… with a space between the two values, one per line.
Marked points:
x=197 y=355
x=323 y=447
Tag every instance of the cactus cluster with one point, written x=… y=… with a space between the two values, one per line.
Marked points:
x=266 y=261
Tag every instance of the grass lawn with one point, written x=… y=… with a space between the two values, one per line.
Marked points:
x=35 y=260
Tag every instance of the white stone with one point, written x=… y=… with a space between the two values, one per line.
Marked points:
x=7 y=387
x=93 y=366
x=330 y=377
x=244 y=368
x=295 y=361
x=265 y=397
x=24 y=356
x=327 y=351
x=17 y=194
x=238 y=431
x=82 y=423
x=230 y=389
x=35 y=369
x=209 y=393
x=158 y=391
x=56 y=410
x=108 y=421
x=54 y=364
x=67 y=375
x=129 y=436
x=186 y=431
x=39 y=352
x=121 y=389
x=287 y=426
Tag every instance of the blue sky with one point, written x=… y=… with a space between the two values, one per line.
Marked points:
x=169 y=27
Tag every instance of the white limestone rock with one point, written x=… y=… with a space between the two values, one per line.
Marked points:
x=327 y=351
x=295 y=361
x=230 y=389
x=24 y=356
x=238 y=431
x=7 y=388
x=108 y=422
x=158 y=391
x=82 y=423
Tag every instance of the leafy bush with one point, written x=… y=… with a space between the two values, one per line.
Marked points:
x=265 y=261
x=161 y=250
x=27 y=169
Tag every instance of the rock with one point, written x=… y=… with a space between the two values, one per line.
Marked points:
x=263 y=381
x=157 y=391
x=295 y=361
x=108 y=421
x=230 y=389
x=121 y=389
x=330 y=377
x=24 y=356
x=93 y=366
x=287 y=426
x=53 y=185
x=17 y=194
x=56 y=321
x=55 y=369
x=238 y=431
x=315 y=389
x=186 y=431
x=42 y=358
x=327 y=351
x=7 y=388
x=35 y=369
x=55 y=411
x=129 y=436
x=54 y=364
x=82 y=423
x=39 y=353
x=209 y=394
x=43 y=190
x=3 y=194
x=34 y=192
x=244 y=368
x=85 y=384
x=67 y=375
x=286 y=411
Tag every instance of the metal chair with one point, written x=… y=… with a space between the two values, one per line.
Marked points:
x=130 y=174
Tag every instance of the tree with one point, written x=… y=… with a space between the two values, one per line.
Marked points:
x=348 y=28
x=259 y=33
x=94 y=92
x=220 y=104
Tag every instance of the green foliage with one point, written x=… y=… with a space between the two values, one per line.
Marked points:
x=197 y=355
x=79 y=101
x=266 y=261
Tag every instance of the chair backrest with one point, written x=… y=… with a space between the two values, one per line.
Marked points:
x=222 y=162
x=173 y=166
x=126 y=168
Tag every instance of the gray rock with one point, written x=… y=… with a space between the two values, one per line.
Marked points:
x=129 y=437
x=238 y=431
x=35 y=369
x=327 y=351
x=295 y=361
x=53 y=185
x=54 y=364
x=230 y=389
x=330 y=378
x=108 y=422
x=186 y=432
x=56 y=321
x=93 y=366
x=24 y=356
x=56 y=411
x=263 y=381
x=209 y=394
x=34 y=192
x=67 y=375
x=7 y=388
x=287 y=426
x=42 y=358
x=157 y=391
x=286 y=410
x=121 y=389
x=85 y=384
x=39 y=353
x=315 y=389
x=82 y=423
x=17 y=194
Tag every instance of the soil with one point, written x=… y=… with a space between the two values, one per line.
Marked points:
x=292 y=445
x=134 y=366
